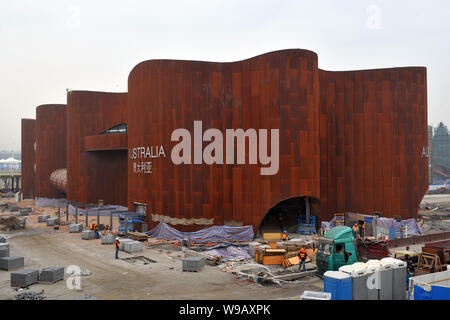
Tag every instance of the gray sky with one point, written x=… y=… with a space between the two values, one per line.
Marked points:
x=48 y=46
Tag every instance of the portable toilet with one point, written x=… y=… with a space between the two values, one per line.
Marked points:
x=359 y=280
x=339 y=284
x=386 y=273
x=373 y=281
x=399 y=285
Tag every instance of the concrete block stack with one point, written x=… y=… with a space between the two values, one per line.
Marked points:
x=52 y=221
x=43 y=217
x=88 y=235
x=133 y=246
x=24 y=212
x=75 y=228
x=122 y=243
x=2 y=239
x=4 y=250
x=108 y=238
x=51 y=274
x=193 y=263
x=13 y=209
x=11 y=263
x=24 y=278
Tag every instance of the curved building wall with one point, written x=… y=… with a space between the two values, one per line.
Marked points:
x=28 y=158
x=373 y=138
x=96 y=162
x=277 y=90
x=50 y=147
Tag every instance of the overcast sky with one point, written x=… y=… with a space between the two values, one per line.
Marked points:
x=48 y=46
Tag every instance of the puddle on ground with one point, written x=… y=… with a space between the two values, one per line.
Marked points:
x=139 y=260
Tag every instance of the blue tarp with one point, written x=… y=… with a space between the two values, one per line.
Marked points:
x=229 y=252
x=215 y=233
x=436 y=293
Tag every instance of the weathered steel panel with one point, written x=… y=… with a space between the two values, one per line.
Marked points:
x=28 y=140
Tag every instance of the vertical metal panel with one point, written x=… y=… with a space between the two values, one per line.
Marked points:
x=28 y=140
x=50 y=147
x=94 y=175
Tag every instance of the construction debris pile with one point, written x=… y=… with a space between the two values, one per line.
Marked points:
x=30 y=295
x=12 y=223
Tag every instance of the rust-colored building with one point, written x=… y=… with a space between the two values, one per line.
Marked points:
x=29 y=166
x=50 y=130
x=323 y=141
x=96 y=155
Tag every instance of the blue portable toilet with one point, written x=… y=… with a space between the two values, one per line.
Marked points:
x=339 y=284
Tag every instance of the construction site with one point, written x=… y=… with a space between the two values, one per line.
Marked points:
x=313 y=188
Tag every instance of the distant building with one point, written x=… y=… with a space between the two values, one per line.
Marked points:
x=440 y=154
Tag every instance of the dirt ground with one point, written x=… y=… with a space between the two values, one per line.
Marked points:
x=108 y=278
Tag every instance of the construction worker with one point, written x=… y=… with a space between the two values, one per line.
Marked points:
x=284 y=235
x=302 y=259
x=402 y=230
x=355 y=230
x=91 y=227
x=117 y=245
x=97 y=236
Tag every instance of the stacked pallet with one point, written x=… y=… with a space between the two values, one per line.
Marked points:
x=137 y=236
x=52 y=221
x=88 y=235
x=122 y=243
x=43 y=217
x=51 y=274
x=133 y=246
x=75 y=228
x=193 y=264
x=107 y=238
x=11 y=263
x=24 y=278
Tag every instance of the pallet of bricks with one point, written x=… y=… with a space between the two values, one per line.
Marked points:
x=138 y=236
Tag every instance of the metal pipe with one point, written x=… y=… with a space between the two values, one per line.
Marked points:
x=111 y=220
x=67 y=211
x=76 y=213
x=87 y=216
x=98 y=216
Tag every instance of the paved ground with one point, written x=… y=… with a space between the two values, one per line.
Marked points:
x=117 y=279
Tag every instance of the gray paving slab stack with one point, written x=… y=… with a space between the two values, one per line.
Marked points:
x=193 y=263
x=52 y=221
x=51 y=274
x=75 y=227
x=133 y=246
x=2 y=239
x=88 y=235
x=122 y=243
x=24 y=212
x=4 y=251
x=43 y=217
x=13 y=209
x=108 y=238
x=11 y=263
x=25 y=277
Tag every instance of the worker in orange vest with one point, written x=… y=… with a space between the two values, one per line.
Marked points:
x=302 y=259
x=355 y=230
x=97 y=236
x=117 y=245
x=284 y=235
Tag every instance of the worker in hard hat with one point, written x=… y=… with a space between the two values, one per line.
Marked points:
x=355 y=230
x=402 y=230
x=284 y=235
x=117 y=245
x=302 y=259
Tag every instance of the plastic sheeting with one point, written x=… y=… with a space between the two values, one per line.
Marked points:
x=48 y=202
x=229 y=253
x=215 y=233
x=385 y=224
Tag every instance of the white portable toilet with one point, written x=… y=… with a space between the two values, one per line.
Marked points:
x=373 y=281
x=386 y=280
x=399 y=285
x=360 y=290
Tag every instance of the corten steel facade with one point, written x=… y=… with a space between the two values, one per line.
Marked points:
x=51 y=144
x=28 y=167
x=353 y=140
x=96 y=162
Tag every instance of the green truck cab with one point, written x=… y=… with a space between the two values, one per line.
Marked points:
x=331 y=253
